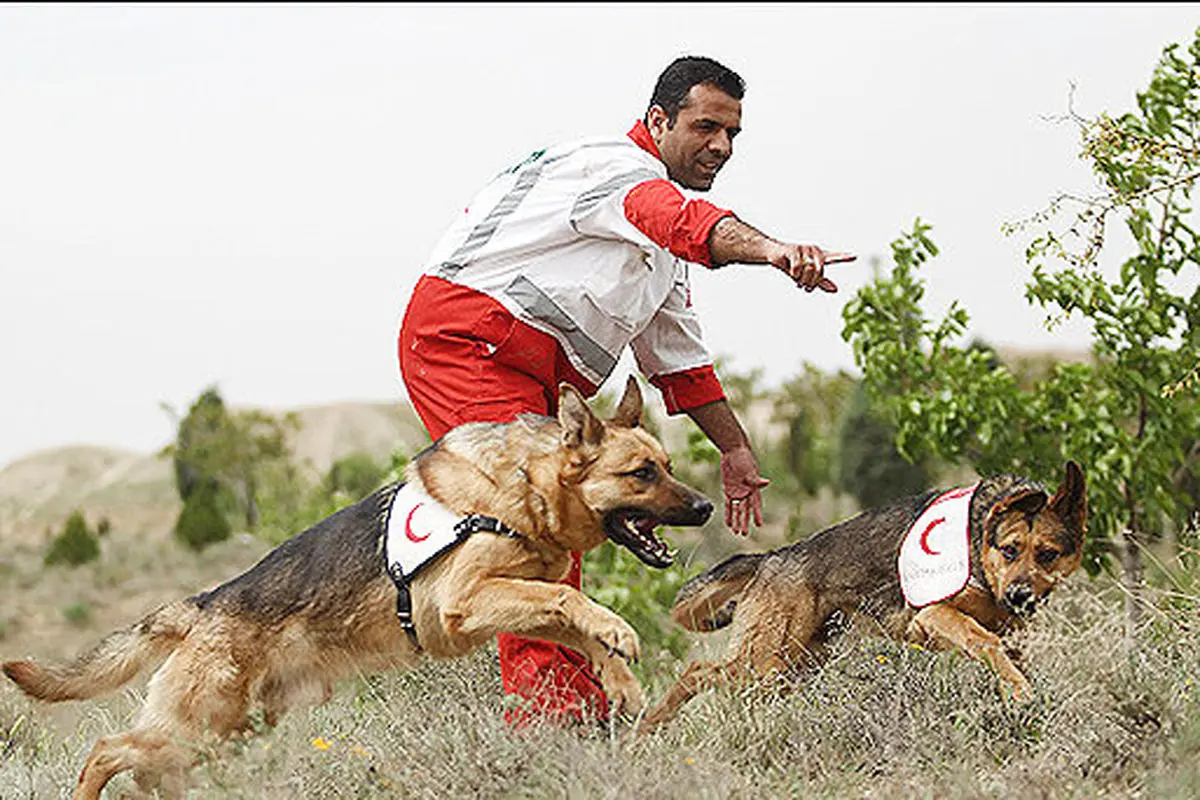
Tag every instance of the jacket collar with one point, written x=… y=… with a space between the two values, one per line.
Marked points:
x=640 y=135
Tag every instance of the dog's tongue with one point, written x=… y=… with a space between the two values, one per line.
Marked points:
x=646 y=527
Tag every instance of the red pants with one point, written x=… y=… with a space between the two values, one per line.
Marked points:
x=464 y=358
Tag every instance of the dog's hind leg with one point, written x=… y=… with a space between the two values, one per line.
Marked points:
x=699 y=676
x=149 y=753
x=201 y=692
x=742 y=668
x=773 y=637
x=280 y=693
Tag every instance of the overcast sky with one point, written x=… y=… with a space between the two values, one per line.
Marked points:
x=246 y=195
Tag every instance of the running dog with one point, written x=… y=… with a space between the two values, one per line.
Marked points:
x=326 y=602
x=907 y=569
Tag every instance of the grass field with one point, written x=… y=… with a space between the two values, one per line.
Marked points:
x=1114 y=715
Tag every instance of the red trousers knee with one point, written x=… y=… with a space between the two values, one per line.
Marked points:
x=464 y=358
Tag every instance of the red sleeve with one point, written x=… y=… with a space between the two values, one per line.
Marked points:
x=689 y=389
x=658 y=209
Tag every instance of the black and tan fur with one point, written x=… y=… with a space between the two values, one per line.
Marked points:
x=321 y=605
x=786 y=604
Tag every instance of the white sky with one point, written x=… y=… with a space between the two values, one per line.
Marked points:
x=245 y=195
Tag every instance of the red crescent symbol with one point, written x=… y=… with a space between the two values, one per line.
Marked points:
x=925 y=536
x=418 y=539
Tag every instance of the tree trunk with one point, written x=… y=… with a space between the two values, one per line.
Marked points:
x=1134 y=577
x=252 y=512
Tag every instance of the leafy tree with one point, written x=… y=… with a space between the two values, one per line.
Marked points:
x=75 y=544
x=1147 y=321
x=1110 y=415
x=192 y=452
x=809 y=407
x=226 y=454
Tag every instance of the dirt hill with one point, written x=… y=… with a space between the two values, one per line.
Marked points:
x=136 y=491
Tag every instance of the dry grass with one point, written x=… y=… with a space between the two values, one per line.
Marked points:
x=879 y=720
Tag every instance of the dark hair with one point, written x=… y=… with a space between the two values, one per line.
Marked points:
x=671 y=91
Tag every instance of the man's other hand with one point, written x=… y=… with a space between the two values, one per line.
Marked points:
x=742 y=484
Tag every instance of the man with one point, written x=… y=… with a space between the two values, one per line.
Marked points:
x=556 y=266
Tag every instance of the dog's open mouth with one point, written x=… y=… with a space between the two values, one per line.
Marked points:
x=633 y=529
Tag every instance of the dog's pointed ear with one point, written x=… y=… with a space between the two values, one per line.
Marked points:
x=579 y=425
x=1027 y=502
x=629 y=410
x=1070 y=501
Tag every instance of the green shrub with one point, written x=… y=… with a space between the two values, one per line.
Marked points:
x=203 y=520
x=355 y=476
x=78 y=614
x=75 y=545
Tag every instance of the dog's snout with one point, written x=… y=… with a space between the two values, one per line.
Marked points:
x=1020 y=598
x=702 y=508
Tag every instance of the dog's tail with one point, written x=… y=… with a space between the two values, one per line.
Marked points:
x=117 y=659
x=707 y=601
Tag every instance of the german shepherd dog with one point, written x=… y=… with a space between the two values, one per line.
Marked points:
x=788 y=603
x=322 y=604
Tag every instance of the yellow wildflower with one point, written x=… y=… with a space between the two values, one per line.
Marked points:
x=320 y=744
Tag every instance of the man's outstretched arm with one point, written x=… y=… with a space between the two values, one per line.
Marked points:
x=732 y=241
x=697 y=231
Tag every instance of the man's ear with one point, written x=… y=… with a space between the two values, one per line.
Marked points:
x=579 y=425
x=657 y=122
x=1070 y=501
x=629 y=410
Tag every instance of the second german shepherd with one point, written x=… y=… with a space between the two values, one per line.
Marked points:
x=786 y=604
x=322 y=604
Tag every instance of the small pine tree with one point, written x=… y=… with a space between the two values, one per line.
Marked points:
x=870 y=468
x=75 y=545
x=203 y=520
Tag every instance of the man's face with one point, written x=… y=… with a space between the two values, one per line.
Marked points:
x=701 y=140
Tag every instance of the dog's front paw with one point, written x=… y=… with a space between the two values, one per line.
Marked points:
x=625 y=695
x=618 y=639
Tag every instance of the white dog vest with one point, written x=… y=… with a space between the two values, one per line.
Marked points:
x=935 y=556
x=417 y=531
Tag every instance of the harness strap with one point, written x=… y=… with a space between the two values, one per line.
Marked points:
x=474 y=523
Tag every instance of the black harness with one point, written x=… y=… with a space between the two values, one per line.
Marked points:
x=474 y=523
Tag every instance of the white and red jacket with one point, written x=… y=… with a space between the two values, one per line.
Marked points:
x=591 y=243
